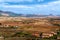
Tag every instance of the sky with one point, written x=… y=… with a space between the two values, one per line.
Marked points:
x=31 y=6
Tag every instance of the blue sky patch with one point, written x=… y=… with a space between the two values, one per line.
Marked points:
x=31 y=6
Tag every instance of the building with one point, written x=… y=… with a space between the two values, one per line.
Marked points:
x=47 y=35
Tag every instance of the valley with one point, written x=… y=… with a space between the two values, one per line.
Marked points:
x=10 y=26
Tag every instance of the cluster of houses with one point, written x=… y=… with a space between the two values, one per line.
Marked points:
x=44 y=34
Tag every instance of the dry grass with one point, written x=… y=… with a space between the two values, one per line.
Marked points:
x=32 y=24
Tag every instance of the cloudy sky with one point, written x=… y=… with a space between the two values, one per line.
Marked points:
x=31 y=6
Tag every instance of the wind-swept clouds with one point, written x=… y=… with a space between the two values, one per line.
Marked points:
x=17 y=0
x=50 y=7
x=26 y=2
x=16 y=6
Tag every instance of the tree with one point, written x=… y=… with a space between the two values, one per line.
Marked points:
x=0 y=23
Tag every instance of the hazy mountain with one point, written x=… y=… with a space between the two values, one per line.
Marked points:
x=7 y=13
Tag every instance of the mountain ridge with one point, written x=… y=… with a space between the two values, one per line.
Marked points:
x=12 y=14
x=9 y=13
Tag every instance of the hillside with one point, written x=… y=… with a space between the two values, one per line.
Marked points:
x=31 y=24
x=7 y=13
x=11 y=27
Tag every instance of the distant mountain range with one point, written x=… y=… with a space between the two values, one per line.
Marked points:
x=7 y=13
